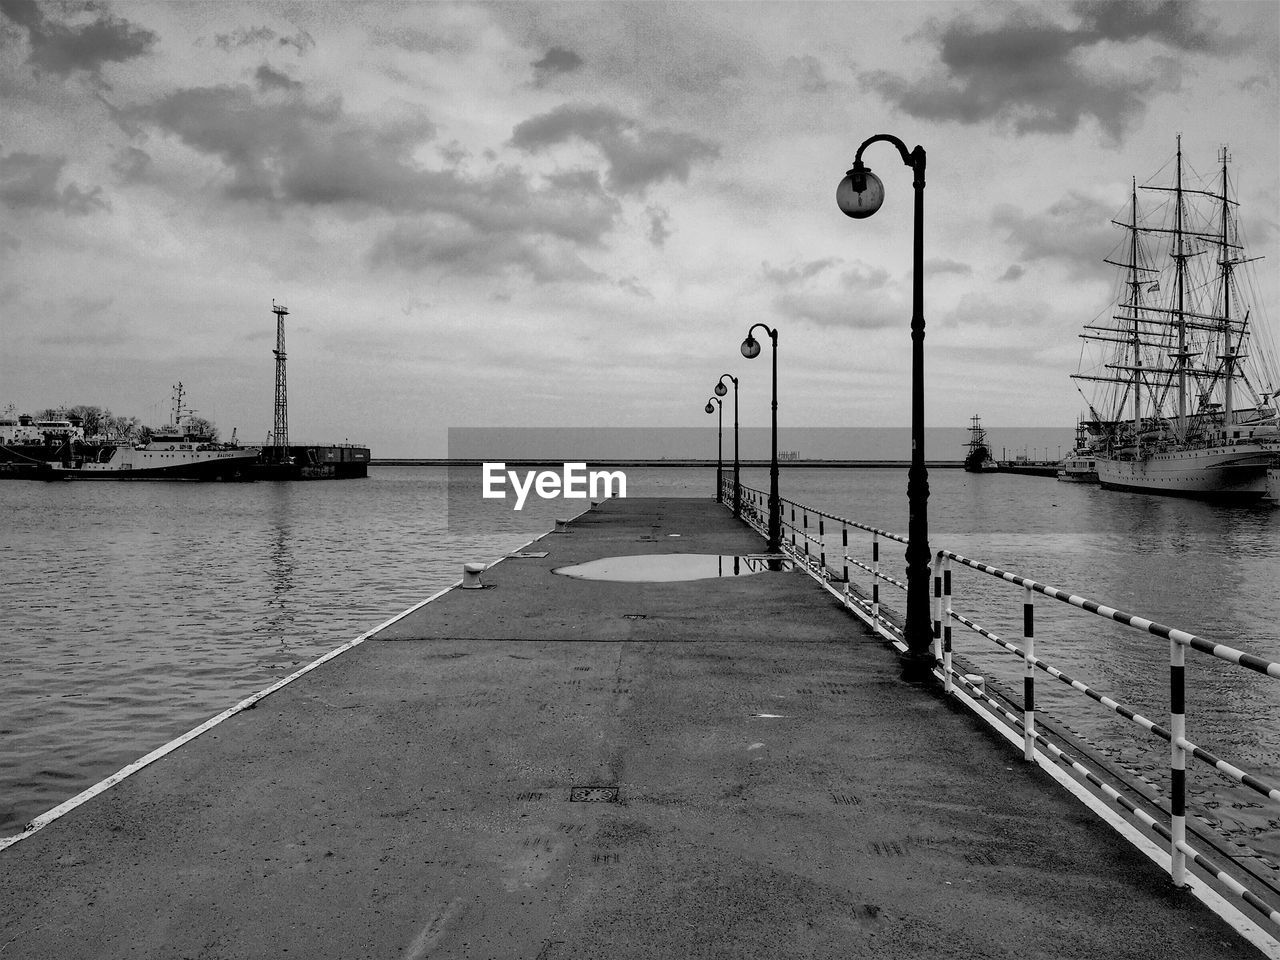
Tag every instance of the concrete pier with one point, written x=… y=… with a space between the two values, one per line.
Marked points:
x=550 y=768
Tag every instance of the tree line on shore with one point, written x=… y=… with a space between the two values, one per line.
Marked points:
x=101 y=422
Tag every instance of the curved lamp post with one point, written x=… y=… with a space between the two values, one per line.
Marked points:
x=721 y=390
x=859 y=195
x=719 y=445
x=751 y=350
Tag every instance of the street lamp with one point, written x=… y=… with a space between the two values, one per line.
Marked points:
x=719 y=444
x=859 y=195
x=721 y=390
x=751 y=350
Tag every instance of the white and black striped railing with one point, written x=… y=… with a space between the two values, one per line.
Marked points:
x=806 y=530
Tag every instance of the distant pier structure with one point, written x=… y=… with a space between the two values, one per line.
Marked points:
x=281 y=460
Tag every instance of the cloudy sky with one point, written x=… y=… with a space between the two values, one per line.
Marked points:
x=538 y=214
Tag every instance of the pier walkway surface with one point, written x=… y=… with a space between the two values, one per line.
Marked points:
x=444 y=789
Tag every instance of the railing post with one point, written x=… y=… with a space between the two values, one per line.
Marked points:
x=937 y=606
x=875 y=578
x=1028 y=676
x=805 y=515
x=1177 y=763
x=844 y=540
x=946 y=624
x=822 y=546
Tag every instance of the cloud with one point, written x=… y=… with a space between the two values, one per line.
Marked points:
x=300 y=41
x=638 y=156
x=282 y=147
x=940 y=265
x=1030 y=72
x=95 y=326
x=634 y=286
x=981 y=312
x=658 y=229
x=29 y=181
x=1014 y=272
x=1074 y=232
x=447 y=247
x=796 y=272
x=269 y=79
x=244 y=37
x=62 y=48
x=557 y=62
x=808 y=73
x=858 y=297
x=1172 y=22
x=131 y=164
x=262 y=36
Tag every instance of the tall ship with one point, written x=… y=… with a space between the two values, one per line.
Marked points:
x=979 y=459
x=179 y=451
x=1182 y=366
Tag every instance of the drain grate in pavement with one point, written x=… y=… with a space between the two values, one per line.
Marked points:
x=593 y=795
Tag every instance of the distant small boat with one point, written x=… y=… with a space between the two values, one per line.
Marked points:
x=1079 y=466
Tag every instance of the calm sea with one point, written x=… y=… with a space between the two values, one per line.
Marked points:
x=133 y=612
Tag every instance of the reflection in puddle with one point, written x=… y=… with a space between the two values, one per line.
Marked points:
x=665 y=567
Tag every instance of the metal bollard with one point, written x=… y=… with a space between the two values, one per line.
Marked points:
x=977 y=681
x=562 y=526
x=471 y=576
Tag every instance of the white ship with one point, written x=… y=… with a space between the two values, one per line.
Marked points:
x=176 y=452
x=1187 y=388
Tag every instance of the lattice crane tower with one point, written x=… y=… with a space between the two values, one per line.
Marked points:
x=281 y=432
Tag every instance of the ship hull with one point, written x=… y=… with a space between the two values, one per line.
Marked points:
x=162 y=465
x=1230 y=473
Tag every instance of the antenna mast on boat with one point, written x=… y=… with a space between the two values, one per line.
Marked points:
x=177 y=404
x=281 y=433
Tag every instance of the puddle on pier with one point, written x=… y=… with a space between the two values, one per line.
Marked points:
x=668 y=567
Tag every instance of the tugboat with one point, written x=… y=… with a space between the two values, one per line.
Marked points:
x=979 y=459
x=175 y=452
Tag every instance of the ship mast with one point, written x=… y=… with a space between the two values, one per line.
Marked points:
x=1135 y=302
x=1180 y=256
x=1225 y=263
x=177 y=406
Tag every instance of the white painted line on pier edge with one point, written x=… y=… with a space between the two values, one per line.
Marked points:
x=43 y=820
